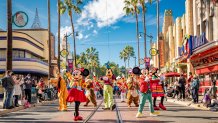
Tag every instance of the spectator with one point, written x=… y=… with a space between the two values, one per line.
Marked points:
x=9 y=87
x=28 y=87
x=213 y=90
x=176 y=88
x=206 y=98
x=17 y=90
x=195 y=88
x=190 y=77
x=182 y=83
x=41 y=87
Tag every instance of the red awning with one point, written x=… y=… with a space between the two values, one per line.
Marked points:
x=172 y=74
x=207 y=69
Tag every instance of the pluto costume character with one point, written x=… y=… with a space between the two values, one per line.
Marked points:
x=157 y=90
x=132 y=86
x=90 y=94
x=108 y=90
x=60 y=83
x=77 y=92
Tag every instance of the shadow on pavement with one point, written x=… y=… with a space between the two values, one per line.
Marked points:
x=196 y=117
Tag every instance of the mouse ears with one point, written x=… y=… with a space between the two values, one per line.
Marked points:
x=136 y=70
x=85 y=72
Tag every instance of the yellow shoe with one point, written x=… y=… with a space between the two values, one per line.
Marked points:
x=138 y=115
x=154 y=114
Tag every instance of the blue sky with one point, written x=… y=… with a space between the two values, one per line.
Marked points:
x=102 y=24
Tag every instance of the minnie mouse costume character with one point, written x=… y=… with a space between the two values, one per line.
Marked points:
x=77 y=92
x=157 y=90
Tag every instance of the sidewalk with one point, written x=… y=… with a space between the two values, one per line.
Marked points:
x=6 y=111
x=188 y=103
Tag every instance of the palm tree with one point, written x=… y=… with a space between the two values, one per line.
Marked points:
x=143 y=6
x=131 y=7
x=129 y=50
x=123 y=56
x=9 y=35
x=92 y=58
x=71 y=6
x=59 y=33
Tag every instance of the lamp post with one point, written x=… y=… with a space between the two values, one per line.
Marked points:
x=66 y=36
x=149 y=36
x=9 y=35
x=135 y=60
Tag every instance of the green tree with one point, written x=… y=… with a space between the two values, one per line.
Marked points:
x=131 y=7
x=71 y=6
x=124 y=57
x=129 y=51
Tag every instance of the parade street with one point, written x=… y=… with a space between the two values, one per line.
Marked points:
x=49 y=113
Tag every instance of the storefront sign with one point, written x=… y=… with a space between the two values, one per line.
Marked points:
x=20 y=19
x=153 y=52
x=206 y=60
x=198 y=41
x=64 y=53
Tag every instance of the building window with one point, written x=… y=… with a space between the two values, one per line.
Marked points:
x=198 y=30
x=204 y=25
x=211 y=29
x=18 y=54
x=2 y=54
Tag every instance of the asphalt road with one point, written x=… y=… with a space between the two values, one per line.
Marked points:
x=49 y=113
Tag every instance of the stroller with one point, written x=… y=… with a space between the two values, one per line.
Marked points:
x=170 y=92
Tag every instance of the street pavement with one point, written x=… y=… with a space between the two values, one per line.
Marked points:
x=48 y=113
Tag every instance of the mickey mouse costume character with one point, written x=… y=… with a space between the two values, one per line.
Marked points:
x=60 y=83
x=108 y=89
x=157 y=90
x=145 y=91
x=77 y=92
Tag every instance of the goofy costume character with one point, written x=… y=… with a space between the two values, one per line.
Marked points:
x=61 y=85
x=77 y=92
x=108 y=90
x=145 y=92
x=157 y=90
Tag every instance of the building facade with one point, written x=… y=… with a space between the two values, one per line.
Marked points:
x=191 y=42
x=30 y=51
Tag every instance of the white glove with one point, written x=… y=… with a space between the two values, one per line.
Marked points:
x=146 y=79
x=105 y=78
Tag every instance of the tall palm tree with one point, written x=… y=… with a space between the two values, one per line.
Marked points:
x=131 y=7
x=129 y=50
x=59 y=33
x=71 y=6
x=9 y=35
x=144 y=8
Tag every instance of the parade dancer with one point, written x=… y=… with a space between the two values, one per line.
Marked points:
x=132 y=94
x=90 y=95
x=145 y=92
x=60 y=83
x=77 y=92
x=97 y=87
x=157 y=90
x=108 y=89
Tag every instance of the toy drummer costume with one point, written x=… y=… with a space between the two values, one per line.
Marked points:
x=90 y=95
x=157 y=90
x=108 y=89
x=123 y=88
x=77 y=92
x=145 y=91
x=60 y=83
x=132 y=94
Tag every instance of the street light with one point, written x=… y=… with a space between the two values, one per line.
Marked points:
x=66 y=36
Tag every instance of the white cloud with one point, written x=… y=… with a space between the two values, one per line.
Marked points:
x=95 y=32
x=104 y=12
x=115 y=27
x=80 y=36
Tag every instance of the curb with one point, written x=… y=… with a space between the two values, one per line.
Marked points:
x=188 y=104
x=6 y=111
